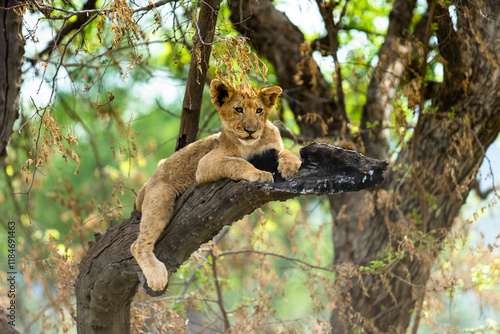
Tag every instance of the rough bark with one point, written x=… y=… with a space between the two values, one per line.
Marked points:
x=5 y=327
x=109 y=275
x=445 y=158
x=305 y=89
x=11 y=60
x=444 y=155
x=200 y=57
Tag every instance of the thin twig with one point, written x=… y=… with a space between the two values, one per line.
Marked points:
x=243 y=251
x=217 y=239
x=47 y=9
x=220 y=302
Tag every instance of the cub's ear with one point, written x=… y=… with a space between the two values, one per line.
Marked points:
x=269 y=95
x=221 y=91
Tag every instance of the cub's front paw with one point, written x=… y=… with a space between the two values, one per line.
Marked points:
x=156 y=275
x=261 y=176
x=289 y=168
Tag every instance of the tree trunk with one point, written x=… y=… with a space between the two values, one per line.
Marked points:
x=200 y=57
x=11 y=60
x=443 y=157
x=5 y=327
x=109 y=275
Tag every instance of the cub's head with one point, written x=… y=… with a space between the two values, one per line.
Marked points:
x=243 y=110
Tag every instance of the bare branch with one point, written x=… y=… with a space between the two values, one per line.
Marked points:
x=46 y=10
x=288 y=258
x=200 y=56
x=332 y=28
x=220 y=301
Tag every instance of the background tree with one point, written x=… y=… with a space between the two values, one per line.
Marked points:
x=11 y=56
x=439 y=175
x=387 y=99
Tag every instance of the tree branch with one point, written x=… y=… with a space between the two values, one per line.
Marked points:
x=200 y=56
x=45 y=10
x=332 y=28
x=220 y=301
x=66 y=28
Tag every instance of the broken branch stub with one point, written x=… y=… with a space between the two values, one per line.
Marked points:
x=327 y=169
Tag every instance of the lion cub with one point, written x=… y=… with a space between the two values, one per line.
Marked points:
x=246 y=132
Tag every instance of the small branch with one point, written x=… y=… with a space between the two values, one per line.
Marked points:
x=416 y=322
x=162 y=108
x=332 y=28
x=198 y=68
x=45 y=10
x=285 y=133
x=63 y=53
x=205 y=257
x=220 y=302
x=244 y=251
x=65 y=29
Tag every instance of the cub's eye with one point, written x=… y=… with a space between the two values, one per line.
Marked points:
x=259 y=111
x=239 y=110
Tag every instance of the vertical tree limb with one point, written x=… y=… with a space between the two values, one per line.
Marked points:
x=332 y=28
x=11 y=60
x=200 y=57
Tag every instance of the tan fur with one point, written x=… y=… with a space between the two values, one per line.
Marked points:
x=246 y=131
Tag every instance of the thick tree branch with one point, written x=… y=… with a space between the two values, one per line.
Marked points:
x=109 y=275
x=200 y=56
x=452 y=47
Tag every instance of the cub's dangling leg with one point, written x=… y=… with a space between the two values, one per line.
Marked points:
x=157 y=208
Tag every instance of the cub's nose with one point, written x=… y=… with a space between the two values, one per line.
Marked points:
x=251 y=130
